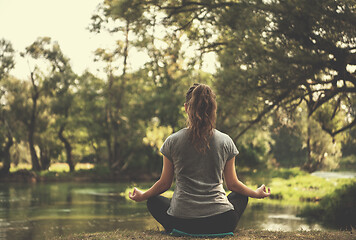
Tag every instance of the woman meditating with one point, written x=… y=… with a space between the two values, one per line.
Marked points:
x=199 y=157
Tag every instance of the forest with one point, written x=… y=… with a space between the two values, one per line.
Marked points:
x=285 y=84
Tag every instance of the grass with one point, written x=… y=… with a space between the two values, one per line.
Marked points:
x=54 y=168
x=288 y=187
x=293 y=186
x=60 y=172
x=240 y=235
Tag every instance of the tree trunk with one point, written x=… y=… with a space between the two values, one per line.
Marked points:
x=31 y=128
x=118 y=162
x=110 y=154
x=68 y=148
x=34 y=159
x=113 y=106
x=44 y=158
x=5 y=155
x=309 y=166
x=108 y=125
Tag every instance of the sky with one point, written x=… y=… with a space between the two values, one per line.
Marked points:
x=65 y=21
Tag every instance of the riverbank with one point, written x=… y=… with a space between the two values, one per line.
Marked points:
x=59 y=172
x=50 y=209
x=240 y=235
x=289 y=186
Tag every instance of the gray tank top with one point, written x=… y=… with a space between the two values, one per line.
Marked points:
x=199 y=188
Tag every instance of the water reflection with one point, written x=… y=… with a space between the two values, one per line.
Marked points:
x=41 y=211
x=275 y=218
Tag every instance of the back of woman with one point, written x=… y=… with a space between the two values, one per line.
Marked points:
x=199 y=188
x=199 y=156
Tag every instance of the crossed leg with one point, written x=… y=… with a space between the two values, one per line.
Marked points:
x=223 y=222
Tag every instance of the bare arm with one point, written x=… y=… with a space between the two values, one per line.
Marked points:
x=162 y=185
x=235 y=185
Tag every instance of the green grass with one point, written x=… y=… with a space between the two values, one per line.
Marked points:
x=55 y=167
x=288 y=186
x=240 y=235
x=60 y=172
x=293 y=186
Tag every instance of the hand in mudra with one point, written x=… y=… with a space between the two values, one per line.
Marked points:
x=263 y=192
x=136 y=195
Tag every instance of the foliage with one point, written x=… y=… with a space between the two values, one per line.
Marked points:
x=285 y=85
x=286 y=173
x=282 y=53
x=254 y=148
x=348 y=145
x=348 y=163
x=337 y=208
x=50 y=102
x=288 y=52
x=289 y=146
x=299 y=140
x=156 y=134
x=6 y=141
x=7 y=61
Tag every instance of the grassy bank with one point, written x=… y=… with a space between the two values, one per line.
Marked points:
x=84 y=172
x=241 y=235
x=288 y=186
x=293 y=186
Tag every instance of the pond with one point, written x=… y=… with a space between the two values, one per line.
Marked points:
x=43 y=210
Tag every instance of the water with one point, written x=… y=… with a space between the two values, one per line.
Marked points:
x=41 y=211
x=333 y=175
x=275 y=218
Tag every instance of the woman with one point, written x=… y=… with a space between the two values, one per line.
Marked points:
x=199 y=156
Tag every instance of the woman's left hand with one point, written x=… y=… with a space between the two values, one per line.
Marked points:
x=136 y=195
x=262 y=192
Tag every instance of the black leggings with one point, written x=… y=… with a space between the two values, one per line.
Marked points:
x=220 y=223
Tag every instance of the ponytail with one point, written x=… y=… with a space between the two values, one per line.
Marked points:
x=201 y=109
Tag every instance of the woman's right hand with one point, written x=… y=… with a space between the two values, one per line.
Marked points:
x=262 y=192
x=136 y=195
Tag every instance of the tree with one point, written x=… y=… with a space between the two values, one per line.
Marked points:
x=123 y=15
x=53 y=91
x=16 y=110
x=35 y=90
x=6 y=137
x=300 y=141
x=90 y=106
x=281 y=52
x=289 y=52
x=288 y=133
x=158 y=89
x=7 y=62
x=60 y=85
